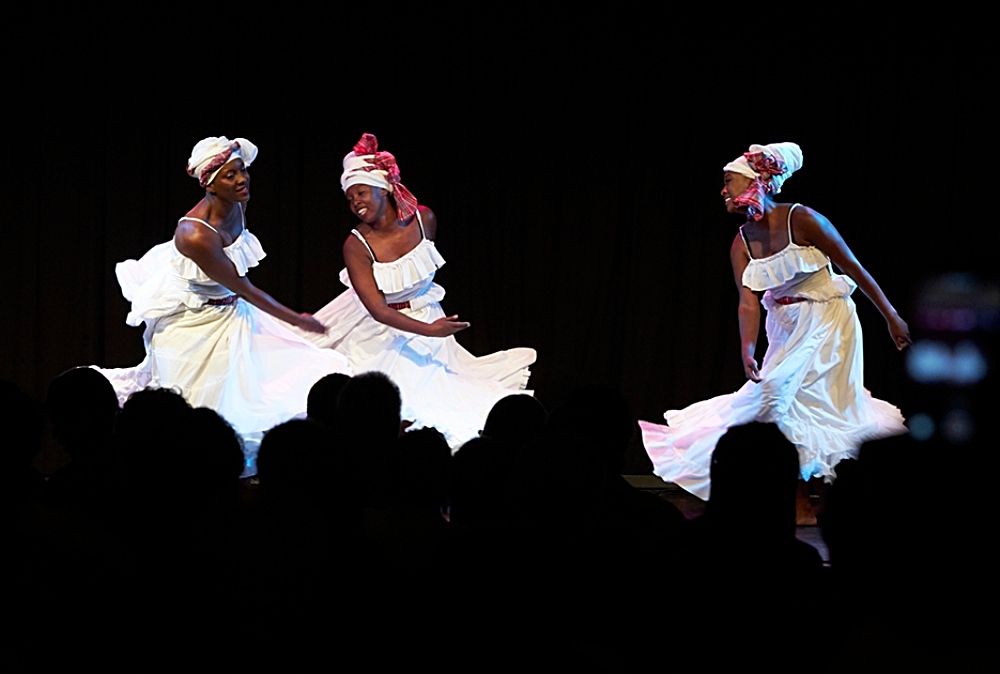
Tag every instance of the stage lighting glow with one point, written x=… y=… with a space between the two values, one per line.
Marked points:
x=921 y=426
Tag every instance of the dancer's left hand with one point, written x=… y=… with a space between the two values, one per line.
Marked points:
x=900 y=332
x=310 y=324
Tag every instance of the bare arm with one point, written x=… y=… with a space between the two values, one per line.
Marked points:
x=430 y=222
x=812 y=228
x=748 y=311
x=359 y=268
x=204 y=247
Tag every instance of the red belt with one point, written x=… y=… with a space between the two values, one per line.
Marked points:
x=398 y=305
x=223 y=301
x=789 y=300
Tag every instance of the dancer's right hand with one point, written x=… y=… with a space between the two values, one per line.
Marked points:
x=750 y=369
x=310 y=324
x=449 y=325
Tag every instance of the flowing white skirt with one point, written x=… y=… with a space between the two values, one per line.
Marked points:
x=249 y=367
x=442 y=385
x=812 y=389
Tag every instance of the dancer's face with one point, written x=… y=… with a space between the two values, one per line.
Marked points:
x=733 y=185
x=232 y=183
x=367 y=202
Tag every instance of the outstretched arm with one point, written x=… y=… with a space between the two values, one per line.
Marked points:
x=748 y=311
x=812 y=228
x=204 y=247
x=359 y=268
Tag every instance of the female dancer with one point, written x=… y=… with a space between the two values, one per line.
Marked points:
x=810 y=383
x=210 y=332
x=390 y=317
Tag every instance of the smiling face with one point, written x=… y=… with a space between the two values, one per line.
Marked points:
x=367 y=202
x=733 y=185
x=232 y=182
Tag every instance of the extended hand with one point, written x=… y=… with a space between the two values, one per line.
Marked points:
x=310 y=324
x=750 y=369
x=900 y=332
x=446 y=326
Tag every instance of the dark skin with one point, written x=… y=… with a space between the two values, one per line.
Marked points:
x=222 y=207
x=390 y=239
x=768 y=237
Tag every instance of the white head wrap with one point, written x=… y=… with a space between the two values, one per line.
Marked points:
x=788 y=154
x=358 y=171
x=211 y=154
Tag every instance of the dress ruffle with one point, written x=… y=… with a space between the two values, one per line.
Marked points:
x=783 y=266
x=409 y=271
x=163 y=281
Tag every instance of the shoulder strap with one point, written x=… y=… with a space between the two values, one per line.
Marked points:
x=202 y=222
x=745 y=242
x=361 y=236
x=794 y=206
x=243 y=217
x=420 y=223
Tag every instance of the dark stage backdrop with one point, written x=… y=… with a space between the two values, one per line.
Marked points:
x=576 y=183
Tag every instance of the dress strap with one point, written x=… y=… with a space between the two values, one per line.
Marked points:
x=745 y=242
x=794 y=206
x=361 y=236
x=202 y=222
x=420 y=223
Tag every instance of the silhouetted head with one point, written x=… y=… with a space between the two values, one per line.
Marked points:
x=515 y=419
x=321 y=405
x=755 y=473
x=81 y=404
x=368 y=408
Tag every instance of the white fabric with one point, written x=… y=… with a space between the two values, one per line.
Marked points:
x=207 y=149
x=742 y=166
x=789 y=153
x=442 y=384
x=812 y=380
x=246 y=365
x=355 y=173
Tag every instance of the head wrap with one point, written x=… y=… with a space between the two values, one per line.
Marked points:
x=367 y=166
x=769 y=166
x=211 y=154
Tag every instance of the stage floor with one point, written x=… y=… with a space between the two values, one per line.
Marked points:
x=692 y=507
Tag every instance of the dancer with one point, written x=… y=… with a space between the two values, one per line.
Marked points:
x=210 y=333
x=390 y=317
x=810 y=382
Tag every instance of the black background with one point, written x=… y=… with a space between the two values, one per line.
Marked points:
x=575 y=174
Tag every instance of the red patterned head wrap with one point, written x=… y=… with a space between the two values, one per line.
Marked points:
x=367 y=166
x=769 y=166
x=211 y=154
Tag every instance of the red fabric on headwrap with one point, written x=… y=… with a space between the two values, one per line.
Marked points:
x=217 y=161
x=753 y=196
x=406 y=203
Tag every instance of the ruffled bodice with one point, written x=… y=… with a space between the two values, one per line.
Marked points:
x=778 y=269
x=796 y=271
x=163 y=280
x=409 y=277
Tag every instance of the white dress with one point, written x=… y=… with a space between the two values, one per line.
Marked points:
x=246 y=365
x=812 y=378
x=441 y=384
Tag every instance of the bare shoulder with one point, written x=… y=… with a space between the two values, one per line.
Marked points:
x=430 y=222
x=738 y=251
x=193 y=237
x=355 y=249
x=809 y=226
